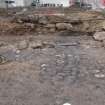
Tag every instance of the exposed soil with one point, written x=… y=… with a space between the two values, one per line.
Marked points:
x=67 y=68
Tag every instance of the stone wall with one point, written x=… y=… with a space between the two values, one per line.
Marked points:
x=79 y=22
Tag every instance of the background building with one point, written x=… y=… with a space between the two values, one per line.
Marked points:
x=17 y=3
x=53 y=3
x=2 y=4
x=24 y=3
x=95 y=4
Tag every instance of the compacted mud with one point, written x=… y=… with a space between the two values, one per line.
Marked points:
x=51 y=68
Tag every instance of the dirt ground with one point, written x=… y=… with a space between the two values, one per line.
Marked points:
x=69 y=69
x=52 y=76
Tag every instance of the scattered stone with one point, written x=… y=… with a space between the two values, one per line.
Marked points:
x=24 y=9
x=63 y=26
x=99 y=75
x=49 y=44
x=66 y=104
x=18 y=51
x=85 y=26
x=103 y=43
x=28 y=19
x=19 y=21
x=2 y=43
x=38 y=29
x=43 y=20
x=30 y=25
x=69 y=27
x=43 y=65
x=103 y=25
x=100 y=36
x=22 y=45
x=67 y=44
x=52 y=30
x=95 y=71
x=3 y=60
x=50 y=26
x=35 y=45
x=44 y=30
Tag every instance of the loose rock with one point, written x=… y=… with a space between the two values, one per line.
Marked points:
x=63 y=26
x=22 y=45
x=2 y=43
x=35 y=45
x=30 y=25
x=50 y=26
x=99 y=75
x=66 y=104
x=103 y=25
x=30 y=19
x=43 y=20
x=3 y=60
x=85 y=26
x=100 y=36
x=52 y=30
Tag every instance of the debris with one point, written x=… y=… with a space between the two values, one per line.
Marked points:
x=3 y=60
x=52 y=30
x=30 y=25
x=67 y=44
x=103 y=43
x=43 y=20
x=22 y=45
x=49 y=44
x=24 y=10
x=86 y=26
x=63 y=26
x=27 y=19
x=43 y=65
x=2 y=43
x=17 y=51
x=99 y=75
x=100 y=36
x=35 y=45
x=50 y=26
x=96 y=71
x=66 y=104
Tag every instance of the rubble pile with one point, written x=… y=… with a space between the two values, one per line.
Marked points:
x=87 y=22
x=84 y=22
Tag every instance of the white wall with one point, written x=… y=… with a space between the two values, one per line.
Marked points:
x=2 y=4
x=19 y=2
x=95 y=3
x=28 y=2
x=64 y=2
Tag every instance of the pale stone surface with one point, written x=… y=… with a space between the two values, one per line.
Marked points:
x=100 y=36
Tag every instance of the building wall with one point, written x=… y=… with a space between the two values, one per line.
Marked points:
x=2 y=4
x=64 y=2
x=94 y=3
x=19 y=2
x=27 y=2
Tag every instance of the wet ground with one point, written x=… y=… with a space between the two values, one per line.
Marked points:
x=72 y=71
